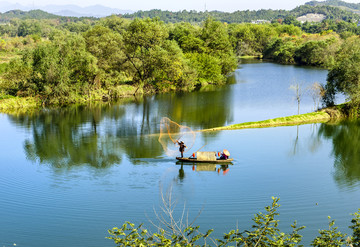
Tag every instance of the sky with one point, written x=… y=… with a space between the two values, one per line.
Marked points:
x=175 y=5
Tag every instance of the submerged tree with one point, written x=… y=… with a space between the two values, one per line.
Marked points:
x=297 y=88
x=317 y=92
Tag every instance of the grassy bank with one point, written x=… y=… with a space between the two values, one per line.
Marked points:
x=313 y=117
x=18 y=105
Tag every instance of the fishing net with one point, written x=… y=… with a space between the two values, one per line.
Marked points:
x=172 y=132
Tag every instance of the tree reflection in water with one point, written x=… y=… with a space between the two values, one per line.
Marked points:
x=346 y=149
x=99 y=135
x=71 y=136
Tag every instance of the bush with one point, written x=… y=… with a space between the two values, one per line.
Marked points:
x=264 y=232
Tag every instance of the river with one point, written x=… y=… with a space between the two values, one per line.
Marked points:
x=69 y=174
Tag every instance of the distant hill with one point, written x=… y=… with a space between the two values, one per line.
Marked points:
x=311 y=11
x=354 y=7
x=329 y=12
x=36 y=14
x=32 y=14
x=66 y=10
x=73 y=10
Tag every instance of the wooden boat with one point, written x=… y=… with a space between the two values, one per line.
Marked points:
x=195 y=160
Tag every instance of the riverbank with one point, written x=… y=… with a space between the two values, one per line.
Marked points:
x=322 y=116
x=19 y=105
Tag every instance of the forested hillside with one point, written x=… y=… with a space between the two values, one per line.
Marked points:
x=245 y=16
x=354 y=7
x=36 y=15
x=332 y=12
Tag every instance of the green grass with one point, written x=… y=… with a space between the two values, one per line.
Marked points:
x=313 y=117
x=18 y=105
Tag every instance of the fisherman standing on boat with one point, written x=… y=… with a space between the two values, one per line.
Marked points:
x=182 y=147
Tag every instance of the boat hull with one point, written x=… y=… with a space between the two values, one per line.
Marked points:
x=195 y=160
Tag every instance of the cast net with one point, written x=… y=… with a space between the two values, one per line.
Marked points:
x=171 y=133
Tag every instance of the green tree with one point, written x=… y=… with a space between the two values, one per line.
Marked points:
x=265 y=232
x=208 y=68
x=29 y=27
x=76 y=27
x=281 y=50
x=141 y=38
x=291 y=20
x=16 y=78
x=318 y=52
x=288 y=29
x=344 y=76
x=356 y=229
x=330 y=237
x=115 y=23
x=108 y=47
x=217 y=43
x=55 y=70
x=152 y=57
x=188 y=37
x=249 y=39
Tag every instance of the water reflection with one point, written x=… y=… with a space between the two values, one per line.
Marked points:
x=202 y=167
x=199 y=110
x=346 y=149
x=71 y=136
x=99 y=135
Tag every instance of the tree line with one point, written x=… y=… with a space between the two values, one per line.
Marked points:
x=74 y=61
x=337 y=3
x=114 y=52
x=331 y=13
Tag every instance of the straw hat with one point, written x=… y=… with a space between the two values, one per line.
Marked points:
x=226 y=152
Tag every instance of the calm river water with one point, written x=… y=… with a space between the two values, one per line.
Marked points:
x=68 y=175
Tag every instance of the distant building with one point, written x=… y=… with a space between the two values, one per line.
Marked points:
x=260 y=21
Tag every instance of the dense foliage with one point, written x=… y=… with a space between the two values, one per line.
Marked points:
x=95 y=60
x=84 y=59
x=344 y=76
x=193 y=16
x=337 y=3
x=264 y=232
